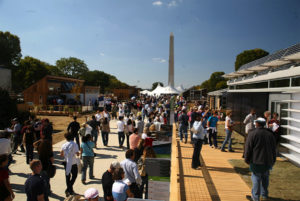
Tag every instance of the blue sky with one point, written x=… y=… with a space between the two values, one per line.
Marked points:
x=130 y=38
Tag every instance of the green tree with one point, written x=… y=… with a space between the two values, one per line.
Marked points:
x=54 y=70
x=10 y=50
x=29 y=71
x=248 y=56
x=215 y=82
x=72 y=67
x=154 y=85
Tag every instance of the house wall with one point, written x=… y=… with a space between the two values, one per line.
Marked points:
x=37 y=93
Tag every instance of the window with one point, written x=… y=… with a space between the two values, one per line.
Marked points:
x=259 y=85
x=280 y=83
x=296 y=82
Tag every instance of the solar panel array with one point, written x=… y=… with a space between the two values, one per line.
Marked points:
x=272 y=57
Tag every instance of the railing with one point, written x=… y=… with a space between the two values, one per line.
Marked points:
x=60 y=109
x=174 y=185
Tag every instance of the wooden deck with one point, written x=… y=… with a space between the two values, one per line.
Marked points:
x=216 y=180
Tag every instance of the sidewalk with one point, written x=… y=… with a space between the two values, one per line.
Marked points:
x=217 y=180
x=105 y=155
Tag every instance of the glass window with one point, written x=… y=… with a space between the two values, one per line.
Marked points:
x=259 y=85
x=280 y=83
x=296 y=82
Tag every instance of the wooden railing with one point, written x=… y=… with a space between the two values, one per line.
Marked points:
x=174 y=185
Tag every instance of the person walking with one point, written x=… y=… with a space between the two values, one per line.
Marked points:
x=28 y=139
x=69 y=150
x=183 y=125
x=73 y=128
x=130 y=129
x=95 y=129
x=140 y=125
x=120 y=129
x=198 y=137
x=228 y=130
x=107 y=181
x=212 y=123
x=105 y=130
x=87 y=153
x=35 y=185
x=17 y=135
x=131 y=173
x=260 y=154
x=249 y=125
x=46 y=130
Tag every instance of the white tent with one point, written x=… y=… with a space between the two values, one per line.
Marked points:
x=145 y=92
x=180 y=89
x=168 y=90
x=157 y=90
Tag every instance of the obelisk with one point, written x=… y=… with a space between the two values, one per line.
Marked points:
x=171 y=61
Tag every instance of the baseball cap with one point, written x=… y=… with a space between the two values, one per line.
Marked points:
x=91 y=193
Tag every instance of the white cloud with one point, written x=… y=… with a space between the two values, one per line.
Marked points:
x=157 y=3
x=159 y=60
x=102 y=54
x=172 y=4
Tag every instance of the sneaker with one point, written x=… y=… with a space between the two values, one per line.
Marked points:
x=67 y=193
x=223 y=150
x=83 y=182
x=249 y=197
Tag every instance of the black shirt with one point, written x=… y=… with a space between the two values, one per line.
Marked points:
x=93 y=124
x=35 y=185
x=107 y=183
x=73 y=128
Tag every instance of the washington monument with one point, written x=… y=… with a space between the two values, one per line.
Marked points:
x=171 y=61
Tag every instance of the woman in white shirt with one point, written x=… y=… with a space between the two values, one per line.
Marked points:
x=228 y=130
x=198 y=137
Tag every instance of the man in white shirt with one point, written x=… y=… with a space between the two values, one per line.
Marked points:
x=5 y=145
x=120 y=129
x=132 y=174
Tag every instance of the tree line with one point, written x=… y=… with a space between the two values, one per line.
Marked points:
x=28 y=70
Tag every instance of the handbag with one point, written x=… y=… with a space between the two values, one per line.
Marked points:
x=141 y=167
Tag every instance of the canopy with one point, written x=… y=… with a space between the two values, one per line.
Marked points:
x=180 y=89
x=167 y=90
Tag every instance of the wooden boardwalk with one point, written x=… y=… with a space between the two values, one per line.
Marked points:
x=215 y=181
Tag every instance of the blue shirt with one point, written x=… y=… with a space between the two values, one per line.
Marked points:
x=213 y=121
x=87 y=148
x=119 y=189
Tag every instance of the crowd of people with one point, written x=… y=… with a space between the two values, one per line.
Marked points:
x=137 y=120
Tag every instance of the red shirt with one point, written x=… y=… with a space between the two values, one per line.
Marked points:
x=148 y=142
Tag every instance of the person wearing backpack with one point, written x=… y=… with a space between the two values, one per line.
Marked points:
x=183 y=125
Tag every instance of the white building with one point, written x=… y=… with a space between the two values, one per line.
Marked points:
x=270 y=83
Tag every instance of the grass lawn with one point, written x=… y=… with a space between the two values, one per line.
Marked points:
x=163 y=155
x=154 y=178
x=284 y=177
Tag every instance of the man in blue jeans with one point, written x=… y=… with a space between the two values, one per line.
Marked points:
x=260 y=153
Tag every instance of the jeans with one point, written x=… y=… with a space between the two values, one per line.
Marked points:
x=121 y=137
x=29 y=153
x=144 y=185
x=196 y=155
x=260 y=183
x=227 y=139
x=104 y=138
x=213 y=135
x=95 y=136
x=183 y=130
x=87 y=161
x=71 y=178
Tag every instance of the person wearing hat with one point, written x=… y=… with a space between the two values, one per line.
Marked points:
x=260 y=154
x=91 y=194
x=107 y=181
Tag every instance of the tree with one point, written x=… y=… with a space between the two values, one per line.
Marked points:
x=215 y=82
x=248 y=56
x=8 y=108
x=10 y=50
x=72 y=67
x=29 y=71
x=154 y=85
